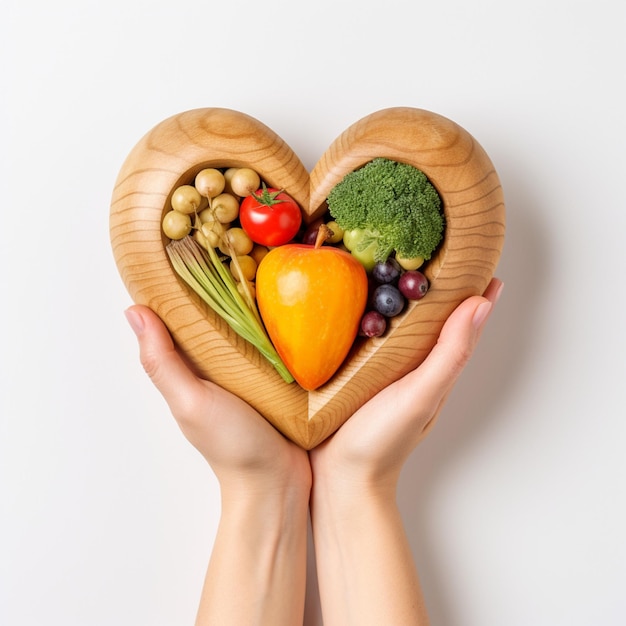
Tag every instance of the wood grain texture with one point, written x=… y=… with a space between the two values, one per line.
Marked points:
x=176 y=149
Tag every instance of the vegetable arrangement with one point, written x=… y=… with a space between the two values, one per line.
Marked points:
x=302 y=293
x=388 y=207
x=200 y=259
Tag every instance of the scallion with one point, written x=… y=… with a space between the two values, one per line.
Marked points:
x=204 y=272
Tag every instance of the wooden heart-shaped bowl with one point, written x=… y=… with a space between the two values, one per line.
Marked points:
x=175 y=150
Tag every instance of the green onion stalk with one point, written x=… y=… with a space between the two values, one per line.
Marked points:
x=203 y=271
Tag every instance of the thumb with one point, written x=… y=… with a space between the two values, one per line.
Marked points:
x=459 y=336
x=160 y=359
x=455 y=346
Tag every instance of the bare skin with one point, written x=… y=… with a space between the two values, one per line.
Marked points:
x=256 y=574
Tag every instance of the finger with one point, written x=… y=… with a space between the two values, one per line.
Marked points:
x=161 y=361
x=457 y=341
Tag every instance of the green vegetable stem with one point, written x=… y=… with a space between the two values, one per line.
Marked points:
x=206 y=275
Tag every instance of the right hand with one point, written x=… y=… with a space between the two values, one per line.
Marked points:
x=239 y=444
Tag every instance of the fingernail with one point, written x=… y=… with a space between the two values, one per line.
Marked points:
x=498 y=292
x=135 y=320
x=481 y=313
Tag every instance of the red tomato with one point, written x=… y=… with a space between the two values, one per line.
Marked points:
x=270 y=217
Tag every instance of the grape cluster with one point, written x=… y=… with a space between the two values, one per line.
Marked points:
x=391 y=288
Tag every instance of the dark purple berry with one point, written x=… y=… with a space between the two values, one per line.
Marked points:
x=413 y=285
x=310 y=234
x=388 y=300
x=373 y=324
x=386 y=271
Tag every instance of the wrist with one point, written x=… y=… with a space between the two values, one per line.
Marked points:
x=353 y=482
x=259 y=550
x=264 y=494
x=283 y=477
x=348 y=496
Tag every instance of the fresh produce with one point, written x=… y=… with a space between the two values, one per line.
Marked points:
x=270 y=216
x=186 y=199
x=225 y=208
x=386 y=271
x=210 y=182
x=373 y=324
x=391 y=288
x=336 y=231
x=244 y=181
x=362 y=246
x=412 y=263
x=311 y=232
x=311 y=299
x=413 y=285
x=204 y=273
x=393 y=206
x=388 y=300
x=176 y=225
x=218 y=261
x=302 y=293
x=235 y=242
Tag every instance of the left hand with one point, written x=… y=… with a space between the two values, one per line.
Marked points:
x=374 y=443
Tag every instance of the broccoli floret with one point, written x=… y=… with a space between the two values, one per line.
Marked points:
x=395 y=204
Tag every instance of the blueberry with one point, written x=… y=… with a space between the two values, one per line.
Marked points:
x=386 y=271
x=388 y=300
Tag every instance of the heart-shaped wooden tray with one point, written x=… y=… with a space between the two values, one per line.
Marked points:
x=175 y=150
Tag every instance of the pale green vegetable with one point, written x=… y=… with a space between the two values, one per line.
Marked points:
x=176 y=225
x=186 y=199
x=225 y=208
x=210 y=182
x=204 y=272
x=245 y=181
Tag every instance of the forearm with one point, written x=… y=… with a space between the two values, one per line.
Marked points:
x=257 y=570
x=364 y=562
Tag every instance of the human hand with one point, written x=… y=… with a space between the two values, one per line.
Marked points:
x=374 y=443
x=265 y=480
x=365 y=571
x=239 y=444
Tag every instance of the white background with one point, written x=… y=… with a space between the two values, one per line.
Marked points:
x=515 y=504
